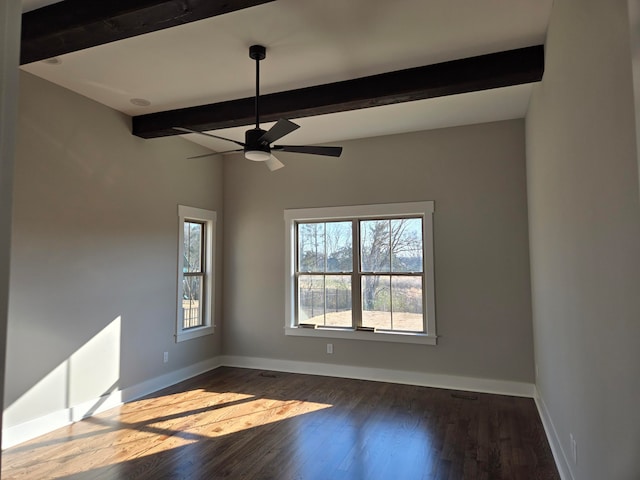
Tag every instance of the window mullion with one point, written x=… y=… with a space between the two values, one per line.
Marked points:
x=296 y=274
x=356 y=277
x=391 y=297
x=391 y=272
x=324 y=275
x=203 y=250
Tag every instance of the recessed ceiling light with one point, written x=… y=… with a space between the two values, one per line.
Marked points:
x=140 y=102
x=52 y=61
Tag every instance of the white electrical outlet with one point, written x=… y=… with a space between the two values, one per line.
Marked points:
x=165 y=358
x=574 y=449
x=329 y=347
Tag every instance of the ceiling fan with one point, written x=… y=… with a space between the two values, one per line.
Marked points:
x=258 y=142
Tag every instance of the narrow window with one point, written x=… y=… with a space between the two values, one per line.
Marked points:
x=193 y=281
x=195 y=302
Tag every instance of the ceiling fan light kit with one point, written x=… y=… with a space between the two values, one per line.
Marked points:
x=257 y=145
x=257 y=155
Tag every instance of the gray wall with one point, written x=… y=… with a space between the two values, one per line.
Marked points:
x=475 y=175
x=634 y=31
x=585 y=238
x=94 y=252
x=9 y=51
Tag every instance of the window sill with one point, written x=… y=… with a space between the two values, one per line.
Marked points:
x=193 y=333
x=416 y=338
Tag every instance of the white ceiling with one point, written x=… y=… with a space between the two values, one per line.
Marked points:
x=310 y=42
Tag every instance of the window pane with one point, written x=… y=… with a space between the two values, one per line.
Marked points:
x=311 y=299
x=311 y=247
x=374 y=245
x=192 y=302
x=406 y=303
x=406 y=244
x=325 y=300
x=192 y=247
x=337 y=301
x=376 y=301
x=339 y=241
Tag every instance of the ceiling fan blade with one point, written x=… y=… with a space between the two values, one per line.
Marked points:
x=215 y=153
x=187 y=130
x=280 y=129
x=311 y=149
x=273 y=163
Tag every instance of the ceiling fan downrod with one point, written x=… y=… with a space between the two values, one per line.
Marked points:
x=257 y=53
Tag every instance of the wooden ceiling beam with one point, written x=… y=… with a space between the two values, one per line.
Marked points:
x=503 y=69
x=73 y=25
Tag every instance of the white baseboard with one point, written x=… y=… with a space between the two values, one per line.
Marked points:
x=33 y=428
x=564 y=469
x=168 y=379
x=23 y=432
x=471 y=384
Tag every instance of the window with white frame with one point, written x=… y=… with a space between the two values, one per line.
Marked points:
x=362 y=272
x=196 y=247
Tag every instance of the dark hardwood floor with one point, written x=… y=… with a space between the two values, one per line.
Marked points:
x=248 y=424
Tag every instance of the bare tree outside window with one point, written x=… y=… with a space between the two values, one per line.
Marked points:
x=325 y=261
x=389 y=273
x=392 y=266
x=193 y=274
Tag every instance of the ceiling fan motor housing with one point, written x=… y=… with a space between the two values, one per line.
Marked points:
x=253 y=145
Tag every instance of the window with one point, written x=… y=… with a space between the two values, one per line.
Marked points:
x=195 y=273
x=362 y=272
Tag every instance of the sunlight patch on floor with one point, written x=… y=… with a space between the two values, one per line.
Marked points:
x=148 y=427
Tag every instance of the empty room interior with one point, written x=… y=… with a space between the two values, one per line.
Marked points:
x=487 y=151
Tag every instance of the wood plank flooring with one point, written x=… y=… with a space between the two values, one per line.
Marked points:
x=248 y=424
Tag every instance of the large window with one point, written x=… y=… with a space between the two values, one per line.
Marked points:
x=354 y=272
x=195 y=272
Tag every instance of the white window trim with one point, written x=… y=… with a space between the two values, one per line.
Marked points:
x=208 y=217
x=422 y=209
